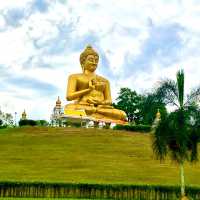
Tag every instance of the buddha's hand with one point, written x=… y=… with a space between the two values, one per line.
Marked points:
x=93 y=101
x=91 y=85
x=94 y=81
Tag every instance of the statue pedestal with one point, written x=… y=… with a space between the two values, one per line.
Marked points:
x=80 y=117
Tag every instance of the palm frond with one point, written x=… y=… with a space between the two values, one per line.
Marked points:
x=159 y=138
x=194 y=138
x=180 y=84
x=193 y=97
x=168 y=92
x=175 y=134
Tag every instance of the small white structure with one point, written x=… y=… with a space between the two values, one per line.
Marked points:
x=57 y=113
x=102 y=124
x=90 y=124
x=112 y=125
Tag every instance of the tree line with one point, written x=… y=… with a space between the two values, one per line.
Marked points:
x=7 y=120
x=140 y=108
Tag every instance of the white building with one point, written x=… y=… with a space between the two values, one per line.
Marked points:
x=57 y=113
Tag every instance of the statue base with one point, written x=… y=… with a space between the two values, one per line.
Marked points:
x=80 y=115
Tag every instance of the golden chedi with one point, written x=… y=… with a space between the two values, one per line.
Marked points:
x=24 y=115
x=90 y=92
x=158 y=115
x=58 y=103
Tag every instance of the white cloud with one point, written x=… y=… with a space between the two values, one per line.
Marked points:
x=15 y=47
x=13 y=4
x=2 y=22
x=119 y=28
x=41 y=28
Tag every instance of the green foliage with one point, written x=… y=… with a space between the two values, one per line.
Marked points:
x=42 y=123
x=72 y=123
x=6 y=119
x=3 y=126
x=179 y=133
x=176 y=135
x=27 y=122
x=129 y=101
x=140 y=109
x=107 y=126
x=149 y=107
x=1 y=122
x=92 y=191
x=180 y=85
x=139 y=128
x=30 y=122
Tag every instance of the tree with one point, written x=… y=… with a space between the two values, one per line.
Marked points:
x=178 y=133
x=149 y=107
x=6 y=119
x=140 y=108
x=129 y=101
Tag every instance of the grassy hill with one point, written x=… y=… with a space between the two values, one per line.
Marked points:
x=85 y=156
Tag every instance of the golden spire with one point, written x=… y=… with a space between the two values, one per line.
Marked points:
x=158 y=115
x=58 y=102
x=24 y=115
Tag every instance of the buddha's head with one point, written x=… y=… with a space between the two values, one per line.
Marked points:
x=89 y=59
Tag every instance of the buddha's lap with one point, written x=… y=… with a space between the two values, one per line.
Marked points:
x=101 y=109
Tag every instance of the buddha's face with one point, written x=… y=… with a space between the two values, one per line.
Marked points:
x=91 y=63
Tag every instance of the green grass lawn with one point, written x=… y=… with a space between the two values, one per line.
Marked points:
x=85 y=156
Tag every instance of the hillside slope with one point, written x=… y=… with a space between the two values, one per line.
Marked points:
x=85 y=156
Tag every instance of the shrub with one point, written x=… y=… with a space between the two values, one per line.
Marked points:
x=73 y=124
x=27 y=122
x=42 y=122
x=140 y=128
x=4 y=126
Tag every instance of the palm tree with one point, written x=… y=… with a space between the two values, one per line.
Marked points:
x=178 y=133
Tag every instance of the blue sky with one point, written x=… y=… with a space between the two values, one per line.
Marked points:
x=139 y=43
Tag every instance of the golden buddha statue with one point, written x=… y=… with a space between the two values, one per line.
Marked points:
x=90 y=92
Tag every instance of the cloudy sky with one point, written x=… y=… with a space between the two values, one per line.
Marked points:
x=139 y=43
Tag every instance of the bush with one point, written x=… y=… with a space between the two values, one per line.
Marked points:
x=93 y=191
x=72 y=124
x=42 y=122
x=27 y=122
x=4 y=126
x=140 y=128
